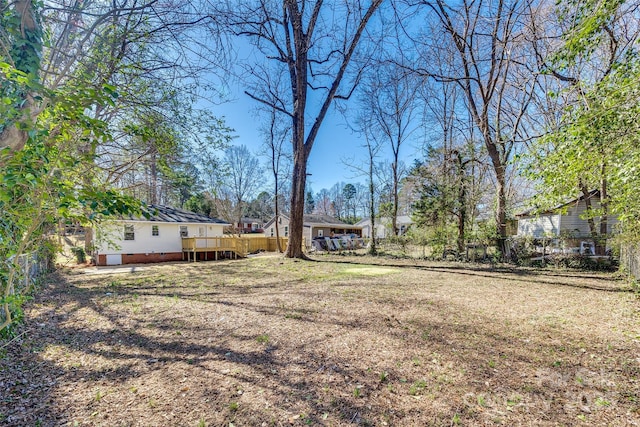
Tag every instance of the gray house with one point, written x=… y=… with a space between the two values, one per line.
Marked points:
x=315 y=226
x=566 y=219
x=383 y=226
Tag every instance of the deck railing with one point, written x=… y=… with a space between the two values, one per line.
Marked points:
x=241 y=246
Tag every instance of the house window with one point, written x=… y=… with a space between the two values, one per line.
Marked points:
x=286 y=231
x=184 y=231
x=129 y=233
x=271 y=231
x=154 y=230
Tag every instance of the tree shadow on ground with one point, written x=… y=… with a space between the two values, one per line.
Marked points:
x=607 y=283
x=30 y=393
x=470 y=367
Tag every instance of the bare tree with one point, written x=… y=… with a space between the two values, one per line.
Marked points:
x=389 y=98
x=315 y=42
x=88 y=44
x=487 y=39
x=361 y=200
x=275 y=137
x=324 y=204
x=337 y=200
x=276 y=131
x=452 y=152
x=367 y=193
x=241 y=183
x=373 y=147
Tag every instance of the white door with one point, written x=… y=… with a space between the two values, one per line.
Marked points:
x=114 y=259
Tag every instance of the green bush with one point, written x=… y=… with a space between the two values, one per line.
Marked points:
x=582 y=262
x=81 y=255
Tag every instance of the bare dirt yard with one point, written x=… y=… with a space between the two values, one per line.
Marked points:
x=342 y=341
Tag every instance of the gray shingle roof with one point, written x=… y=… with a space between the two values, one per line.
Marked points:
x=323 y=219
x=169 y=214
x=317 y=220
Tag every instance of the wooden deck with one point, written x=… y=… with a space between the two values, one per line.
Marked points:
x=227 y=246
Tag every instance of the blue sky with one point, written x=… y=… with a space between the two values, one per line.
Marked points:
x=336 y=146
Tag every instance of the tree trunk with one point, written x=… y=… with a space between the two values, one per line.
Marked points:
x=394 y=214
x=153 y=171
x=462 y=203
x=240 y=225
x=373 y=250
x=292 y=50
x=589 y=209
x=601 y=244
x=26 y=52
x=501 y=196
x=88 y=241
x=296 y=220
x=277 y=213
x=501 y=217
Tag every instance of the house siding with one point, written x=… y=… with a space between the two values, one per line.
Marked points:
x=309 y=231
x=280 y=225
x=283 y=225
x=326 y=231
x=366 y=228
x=306 y=234
x=543 y=225
x=574 y=221
x=383 y=226
x=166 y=246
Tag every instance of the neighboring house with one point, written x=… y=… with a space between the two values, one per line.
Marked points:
x=383 y=226
x=567 y=218
x=154 y=239
x=248 y=225
x=315 y=226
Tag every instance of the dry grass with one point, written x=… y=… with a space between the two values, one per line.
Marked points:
x=344 y=341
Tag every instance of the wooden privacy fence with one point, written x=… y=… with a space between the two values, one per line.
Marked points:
x=630 y=259
x=268 y=244
x=237 y=246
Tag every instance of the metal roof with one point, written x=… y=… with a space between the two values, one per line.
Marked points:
x=168 y=214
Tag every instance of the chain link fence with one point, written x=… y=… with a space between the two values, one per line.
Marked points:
x=630 y=259
x=26 y=269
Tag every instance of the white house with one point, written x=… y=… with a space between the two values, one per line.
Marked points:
x=567 y=218
x=383 y=226
x=315 y=226
x=154 y=239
